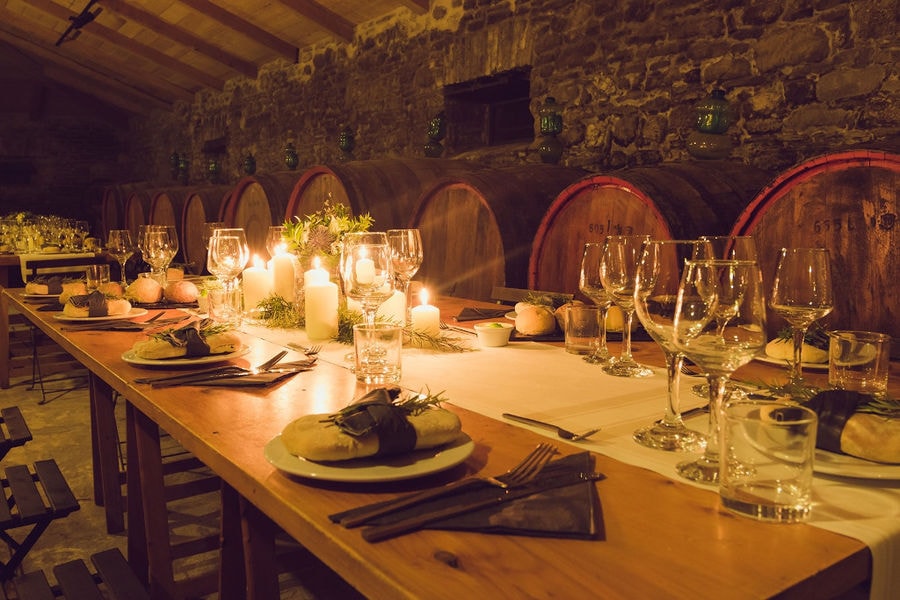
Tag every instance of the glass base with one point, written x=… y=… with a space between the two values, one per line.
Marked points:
x=599 y=358
x=672 y=438
x=701 y=470
x=759 y=504
x=627 y=368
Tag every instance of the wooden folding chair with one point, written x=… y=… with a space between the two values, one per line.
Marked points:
x=76 y=582
x=13 y=430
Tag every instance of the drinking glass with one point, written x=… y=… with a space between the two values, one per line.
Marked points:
x=159 y=245
x=704 y=284
x=801 y=294
x=121 y=246
x=727 y=247
x=227 y=256
x=274 y=239
x=659 y=274
x=618 y=270
x=367 y=270
x=590 y=285
x=406 y=258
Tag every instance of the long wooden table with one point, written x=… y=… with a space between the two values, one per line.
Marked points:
x=663 y=538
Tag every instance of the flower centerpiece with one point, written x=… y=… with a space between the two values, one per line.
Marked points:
x=321 y=233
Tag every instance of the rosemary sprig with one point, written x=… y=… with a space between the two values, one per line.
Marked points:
x=815 y=336
x=442 y=343
x=554 y=301
x=415 y=404
x=885 y=407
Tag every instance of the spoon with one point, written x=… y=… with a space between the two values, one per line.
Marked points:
x=563 y=433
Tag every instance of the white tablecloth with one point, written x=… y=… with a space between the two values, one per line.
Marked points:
x=545 y=382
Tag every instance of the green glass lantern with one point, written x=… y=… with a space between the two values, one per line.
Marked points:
x=290 y=156
x=346 y=142
x=212 y=169
x=249 y=164
x=437 y=129
x=713 y=113
x=551 y=125
x=183 y=169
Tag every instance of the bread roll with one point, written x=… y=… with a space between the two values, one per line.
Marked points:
x=315 y=437
x=535 y=319
x=156 y=348
x=77 y=307
x=844 y=429
x=781 y=349
x=72 y=288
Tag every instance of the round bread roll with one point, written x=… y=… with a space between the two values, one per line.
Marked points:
x=72 y=288
x=873 y=437
x=315 y=438
x=781 y=349
x=114 y=307
x=33 y=287
x=161 y=349
x=535 y=319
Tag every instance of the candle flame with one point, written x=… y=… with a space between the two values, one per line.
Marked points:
x=316 y=263
x=258 y=262
x=281 y=249
x=423 y=296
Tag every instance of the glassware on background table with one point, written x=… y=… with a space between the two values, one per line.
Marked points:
x=618 y=270
x=158 y=247
x=659 y=274
x=590 y=285
x=704 y=284
x=95 y=276
x=377 y=352
x=227 y=256
x=727 y=247
x=367 y=270
x=274 y=239
x=120 y=245
x=801 y=294
x=406 y=255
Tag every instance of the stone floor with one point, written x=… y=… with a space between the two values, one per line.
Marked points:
x=61 y=430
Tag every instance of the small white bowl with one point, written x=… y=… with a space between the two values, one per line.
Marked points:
x=493 y=334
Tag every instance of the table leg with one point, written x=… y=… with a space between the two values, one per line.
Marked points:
x=259 y=552
x=107 y=487
x=137 y=535
x=4 y=340
x=232 y=576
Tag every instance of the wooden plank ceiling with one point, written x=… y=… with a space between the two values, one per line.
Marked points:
x=142 y=54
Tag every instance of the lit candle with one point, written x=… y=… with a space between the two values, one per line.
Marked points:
x=283 y=274
x=394 y=309
x=257 y=284
x=321 y=303
x=364 y=268
x=426 y=318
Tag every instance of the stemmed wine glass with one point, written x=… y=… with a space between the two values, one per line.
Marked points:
x=274 y=239
x=801 y=294
x=158 y=247
x=659 y=274
x=121 y=246
x=705 y=284
x=618 y=270
x=590 y=285
x=227 y=256
x=367 y=270
x=406 y=257
x=727 y=247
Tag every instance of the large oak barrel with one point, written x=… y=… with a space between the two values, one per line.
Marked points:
x=137 y=208
x=847 y=202
x=666 y=201
x=166 y=208
x=112 y=210
x=387 y=189
x=477 y=228
x=256 y=203
x=201 y=205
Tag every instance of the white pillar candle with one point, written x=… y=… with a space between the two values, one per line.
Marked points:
x=283 y=275
x=321 y=304
x=365 y=271
x=426 y=318
x=394 y=309
x=257 y=284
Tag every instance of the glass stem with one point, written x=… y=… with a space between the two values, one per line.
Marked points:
x=796 y=375
x=672 y=418
x=626 y=337
x=404 y=284
x=602 y=350
x=716 y=402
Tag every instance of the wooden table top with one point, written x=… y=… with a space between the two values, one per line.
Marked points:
x=663 y=538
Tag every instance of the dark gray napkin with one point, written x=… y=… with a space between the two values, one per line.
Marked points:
x=567 y=512
x=475 y=314
x=259 y=380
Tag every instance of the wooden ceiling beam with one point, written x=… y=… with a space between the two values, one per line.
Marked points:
x=181 y=36
x=322 y=16
x=417 y=6
x=97 y=30
x=245 y=28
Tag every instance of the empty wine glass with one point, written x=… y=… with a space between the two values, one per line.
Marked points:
x=367 y=270
x=159 y=245
x=590 y=285
x=618 y=270
x=121 y=246
x=274 y=239
x=406 y=257
x=659 y=275
x=227 y=256
x=703 y=285
x=801 y=294
x=727 y=247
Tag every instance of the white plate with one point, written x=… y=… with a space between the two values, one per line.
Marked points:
x=780 y=362
x=511 y=315
x=850 y=466
x=134 y=312
x=130 y=357
x=370 y=470
x=40 y=297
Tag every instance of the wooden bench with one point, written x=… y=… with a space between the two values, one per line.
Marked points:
x=76 y=582
x=24 y=505
x=13 y=430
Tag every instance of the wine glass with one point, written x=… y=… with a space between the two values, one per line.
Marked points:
x=367 y=270
x=618 y=270
x=590 y=285
x=406 y=258
x=801 y=294
x=274 y=239
x=704 y=284
x=158 y=247
x=659 y=274
x=121 y=246
x=227 y=256
x=727 y=247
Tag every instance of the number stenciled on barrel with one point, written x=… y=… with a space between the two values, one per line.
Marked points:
x=834 y=225
x=610 y=228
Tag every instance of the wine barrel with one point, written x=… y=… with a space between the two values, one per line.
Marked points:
x=112 y=210
x=201 y=205
x=477 y=228
x=166 y=208
x=387 y=189
x=137 y=207
x=845 y=201
x=666 y=201
x=256 y=203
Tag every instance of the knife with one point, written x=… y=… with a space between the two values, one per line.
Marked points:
x=378 y=533
x=209 y=379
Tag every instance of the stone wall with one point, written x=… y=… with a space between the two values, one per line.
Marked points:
x=803 y=77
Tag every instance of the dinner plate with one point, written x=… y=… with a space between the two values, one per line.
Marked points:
x=134 y=312
x=843 y=465
x=780 y=362
x=132 y=359
x=371 y=470
x=511 y=315
x=40 y=297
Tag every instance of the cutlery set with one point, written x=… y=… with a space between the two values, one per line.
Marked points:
x=233 y=373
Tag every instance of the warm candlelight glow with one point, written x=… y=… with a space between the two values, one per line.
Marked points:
x=423 y=296
x=316 y=263
x=424 y=317
x=258 y=262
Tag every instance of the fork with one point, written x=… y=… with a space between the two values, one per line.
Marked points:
x=230 y=370
x=522 y=473
x=563 y=433
x=307 y=350
x=443 y=325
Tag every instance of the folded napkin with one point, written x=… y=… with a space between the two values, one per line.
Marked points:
x=264 y=379
x=565 y=512
x=51 y=307
x=475 y=314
